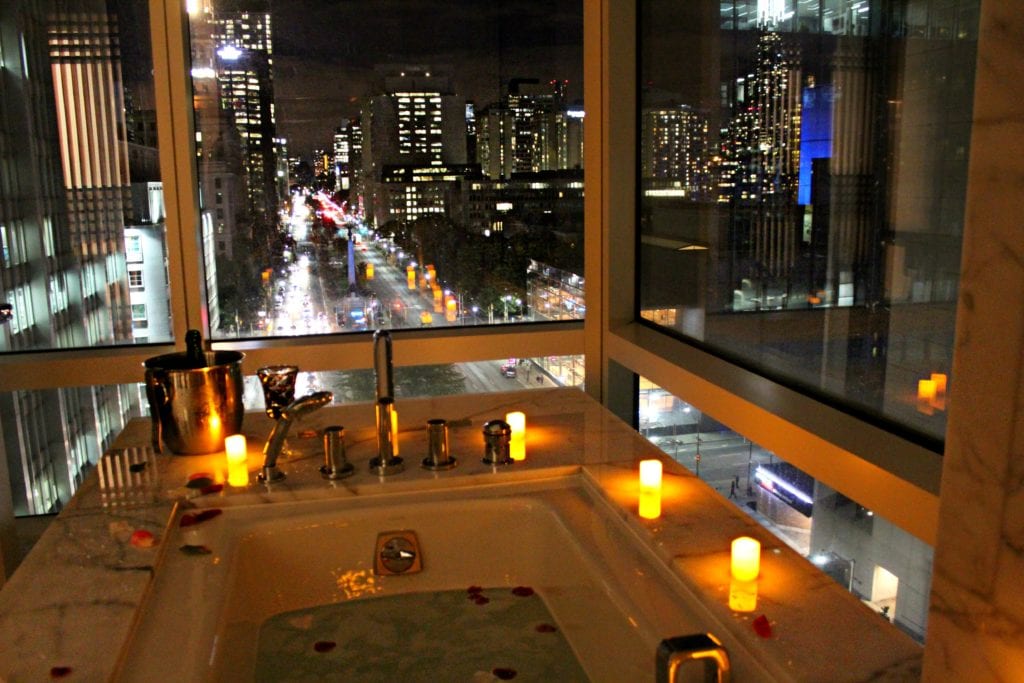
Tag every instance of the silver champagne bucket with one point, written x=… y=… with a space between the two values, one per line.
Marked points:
x=194 y=409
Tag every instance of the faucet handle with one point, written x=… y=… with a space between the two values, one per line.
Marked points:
x=497 y=440
x=438 y=456
x=336 y=464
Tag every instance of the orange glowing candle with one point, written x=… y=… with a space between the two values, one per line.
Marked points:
x=237 y=451
x=746 y=558
x=650 y=489
x=517 y=446
x=940 y=383
x=926 y=390
x=742 y=596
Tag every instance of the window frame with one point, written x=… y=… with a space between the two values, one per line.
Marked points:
x=47 y=369
x=877 y=468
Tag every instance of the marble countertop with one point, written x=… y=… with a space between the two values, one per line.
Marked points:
x=70 y=607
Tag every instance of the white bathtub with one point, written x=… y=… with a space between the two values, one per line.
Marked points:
x=609 y=595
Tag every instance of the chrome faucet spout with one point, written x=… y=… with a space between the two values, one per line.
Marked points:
x=275 y=442
x=382 y=365
x=386 y=461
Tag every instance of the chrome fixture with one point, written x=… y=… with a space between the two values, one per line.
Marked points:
x=397 y=552
x=438 y=457
x=382 y=365
x=386 y=461
x=275 y=442
x=696 y=657
x=336 y=464
x=497 y=439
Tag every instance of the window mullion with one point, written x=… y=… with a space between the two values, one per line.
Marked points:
x=176 y=130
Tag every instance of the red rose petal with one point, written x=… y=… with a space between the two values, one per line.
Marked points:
x=208 y=514
x=199 y=480
x=474 y=589
x=504 y=673
x=190 y=549
x=212 y=488
x=141 y=538
x=189 y=519
x=762 y=627
x=59 y=671
x=522 y=591
x=324 y=645
x=546 y=628
x=481 y=600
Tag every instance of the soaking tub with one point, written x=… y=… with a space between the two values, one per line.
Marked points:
x=602 y=595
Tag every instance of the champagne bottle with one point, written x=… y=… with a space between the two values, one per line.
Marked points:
x=194 y=355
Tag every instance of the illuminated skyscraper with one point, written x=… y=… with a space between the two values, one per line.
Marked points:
x=761 y=156
x=495 y=138
x=63 y=204
x=243 y=64
x=418 y=121
x=674 y=157
x=86 y=72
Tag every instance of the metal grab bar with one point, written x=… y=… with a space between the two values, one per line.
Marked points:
x=699 y=656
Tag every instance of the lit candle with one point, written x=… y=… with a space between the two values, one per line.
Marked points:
x=235 y=447
x=746 y=558
x=650 y=489
x=237 y=452
x=925 y=396
x=926 y=390
x=517 y=446
x=939 y=379
x=742 y=596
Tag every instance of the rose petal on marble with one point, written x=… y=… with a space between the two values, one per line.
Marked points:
x=190 y=519
x=472 y=590
x=208 y=514
x=199 y=480
x=324 y=645
x=60 y=671
x=141 y=538
x=504 y=673
x=762 y=627
x=480 y=600
x=522 y=591
x=190 y=549
x=546 y=628
x=212 y=488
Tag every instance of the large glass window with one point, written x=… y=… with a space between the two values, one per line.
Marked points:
x=402 y=168
x=79 y=168
x=887 y=568
x=802 y=180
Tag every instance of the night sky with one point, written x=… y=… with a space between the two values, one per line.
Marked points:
x=325 y=52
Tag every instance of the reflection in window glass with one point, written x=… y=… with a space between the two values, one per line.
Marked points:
x=420 y=381
x=79 y=162
x=52 y=438
x=802 y=191
x=365 y=167
x=889 y=569
x=60 y=436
